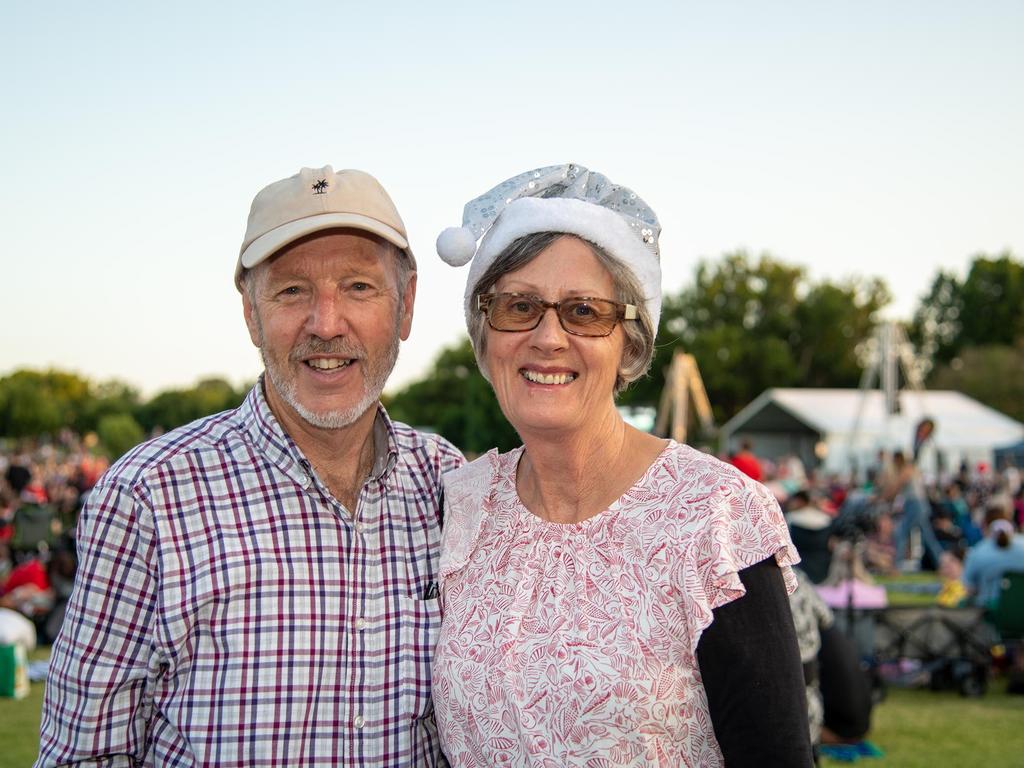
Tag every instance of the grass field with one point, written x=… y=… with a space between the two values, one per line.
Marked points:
x=915 y=729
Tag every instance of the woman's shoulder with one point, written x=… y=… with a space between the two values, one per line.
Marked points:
x=719 y=519
x=468 y=497
x=690 y=474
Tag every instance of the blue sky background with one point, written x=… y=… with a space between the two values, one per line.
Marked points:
x=870 y=138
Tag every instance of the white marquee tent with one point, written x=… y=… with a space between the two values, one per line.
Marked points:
x=822 y=427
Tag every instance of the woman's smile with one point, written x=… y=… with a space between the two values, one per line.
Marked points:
x=547 y=377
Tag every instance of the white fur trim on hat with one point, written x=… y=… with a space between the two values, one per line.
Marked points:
x=595 y=223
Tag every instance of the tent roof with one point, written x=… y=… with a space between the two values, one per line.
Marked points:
x=959 y=420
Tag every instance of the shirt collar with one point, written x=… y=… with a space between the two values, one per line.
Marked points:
x=270 y=439
x=385 y=445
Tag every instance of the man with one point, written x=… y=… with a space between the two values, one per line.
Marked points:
x=257 y=588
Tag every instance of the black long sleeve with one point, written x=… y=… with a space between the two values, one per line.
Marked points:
x=750 y=664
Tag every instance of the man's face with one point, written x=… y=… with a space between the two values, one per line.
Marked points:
x=327 y=314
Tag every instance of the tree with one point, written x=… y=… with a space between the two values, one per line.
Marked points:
x=935 y=329
x=758 y=324
x=111 y=398
x=41 y=402
x=36 y=403
x=118 y=433
x=992 y=374
x=832 y=320
x=175 y=407
x=455 y=400
x=986 y=308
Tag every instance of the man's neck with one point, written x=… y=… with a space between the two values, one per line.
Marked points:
x=342 y=457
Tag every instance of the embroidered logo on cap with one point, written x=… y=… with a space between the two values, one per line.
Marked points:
x=320 y=187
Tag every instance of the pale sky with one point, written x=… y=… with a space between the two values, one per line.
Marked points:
x=870 y=138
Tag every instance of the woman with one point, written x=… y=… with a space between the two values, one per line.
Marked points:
x=990 y=559
x=907 y=485
x=609 y=598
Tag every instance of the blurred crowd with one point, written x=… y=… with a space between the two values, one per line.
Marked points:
x=890 y=521
x=42 y=486
x=963 y=517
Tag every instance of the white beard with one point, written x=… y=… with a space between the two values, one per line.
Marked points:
x=374 y=378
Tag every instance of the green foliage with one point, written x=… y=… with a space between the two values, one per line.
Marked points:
x=456 y=401
x=119 y=433
x=108 y=399
x=758 y=324
x=174 y=407
x=992 y=374
x=40 y=402
x=832 y=320
x=986 y=308
x=34 y=403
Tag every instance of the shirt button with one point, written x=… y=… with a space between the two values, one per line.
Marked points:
x=359 y=527
x=360 y=623
x=359 y=722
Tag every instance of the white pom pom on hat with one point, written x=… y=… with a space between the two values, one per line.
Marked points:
x=456 y=245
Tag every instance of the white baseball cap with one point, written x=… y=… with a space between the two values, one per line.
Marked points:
x=312 y=200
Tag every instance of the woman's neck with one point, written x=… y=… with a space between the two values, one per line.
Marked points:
x=569 y=477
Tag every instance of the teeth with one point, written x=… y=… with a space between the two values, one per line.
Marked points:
x=328 y=364
x=548 y=378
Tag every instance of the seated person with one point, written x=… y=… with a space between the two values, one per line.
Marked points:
x=845 y=689
x=950 y=537
x=961 y=514
x=811 y=531
x=839 y=696
x=986 y=562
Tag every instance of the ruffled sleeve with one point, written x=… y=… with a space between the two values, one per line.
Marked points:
x=466 y=493
x=739 y=524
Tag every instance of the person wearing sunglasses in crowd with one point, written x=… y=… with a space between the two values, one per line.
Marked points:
x=608 y=597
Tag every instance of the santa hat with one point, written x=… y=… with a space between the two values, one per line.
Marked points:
x=558 y=198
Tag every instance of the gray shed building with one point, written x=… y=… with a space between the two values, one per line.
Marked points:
x=838 y=429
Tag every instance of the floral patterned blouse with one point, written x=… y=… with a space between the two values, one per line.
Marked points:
x=575 y=644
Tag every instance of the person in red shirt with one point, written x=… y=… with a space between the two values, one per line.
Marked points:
x=746 y=462
x=27 y=589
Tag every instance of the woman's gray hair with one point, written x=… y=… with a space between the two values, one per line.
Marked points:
x=638 y=350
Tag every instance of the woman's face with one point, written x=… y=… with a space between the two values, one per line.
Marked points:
x=547 y=379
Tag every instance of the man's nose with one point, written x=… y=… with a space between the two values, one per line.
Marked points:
x=327 y=317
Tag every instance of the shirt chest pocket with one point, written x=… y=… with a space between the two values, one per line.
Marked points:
x=419 y=626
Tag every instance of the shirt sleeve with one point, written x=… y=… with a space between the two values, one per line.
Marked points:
x=750 y=665
x=96 y=705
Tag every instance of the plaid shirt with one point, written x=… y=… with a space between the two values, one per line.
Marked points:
x=230 y=612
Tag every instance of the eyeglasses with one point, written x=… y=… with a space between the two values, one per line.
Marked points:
x=578 y=315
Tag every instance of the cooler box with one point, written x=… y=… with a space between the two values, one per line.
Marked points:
x=13 y=672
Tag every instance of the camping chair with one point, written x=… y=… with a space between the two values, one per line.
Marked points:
x=945 y=647
x=33 y=525
x=1007 y=612
x=1006 y=615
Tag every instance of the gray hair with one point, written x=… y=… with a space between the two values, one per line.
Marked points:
x=403 y=269
x=640 y=334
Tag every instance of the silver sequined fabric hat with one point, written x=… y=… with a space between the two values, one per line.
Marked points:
x=559 y=198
